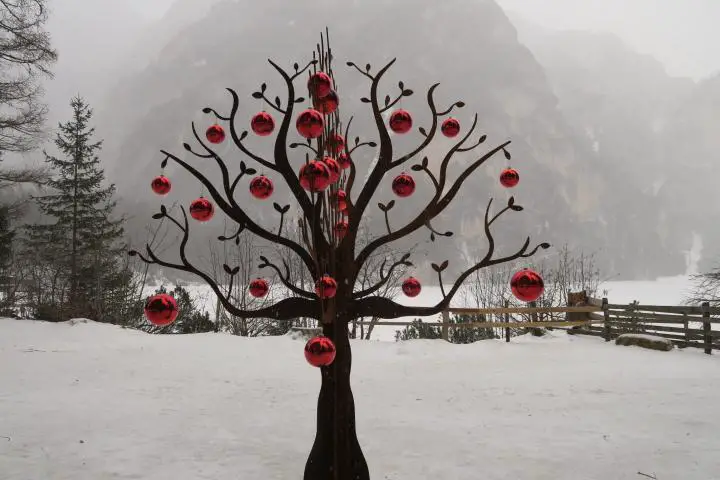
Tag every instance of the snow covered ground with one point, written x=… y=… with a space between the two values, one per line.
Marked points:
x=92 y=401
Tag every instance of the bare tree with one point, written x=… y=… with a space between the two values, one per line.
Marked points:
x=25 y=57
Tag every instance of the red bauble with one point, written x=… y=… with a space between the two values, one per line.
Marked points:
x=509 y=178
x=344 y=161
x=327 y=104
x=326 y=287
x=314 y=176
x=161 y=310
x=259 y=287
x=527 y=285
x=403 y=185
x=262 y=124
x=319 y=84
x=333 y=167
x=320 y=351
x=310 y=123
x=202 y=210
x=261 y=187
x=215 y=134
x=341 y=229
x=336 y=143
x=161 y=185
x=340 y=198
x=450 y=127
x=400 y=121
x=411 y=287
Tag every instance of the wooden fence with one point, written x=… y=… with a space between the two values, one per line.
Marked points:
x=685 y=326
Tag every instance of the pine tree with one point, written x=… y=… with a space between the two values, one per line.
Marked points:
x=83 y=237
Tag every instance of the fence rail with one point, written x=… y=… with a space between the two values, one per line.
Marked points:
x=685 y=326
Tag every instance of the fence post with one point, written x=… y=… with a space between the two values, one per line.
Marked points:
x=706 y=327
x=606 y=314
x=686 y=327
x=507 y=322
x=445 y=329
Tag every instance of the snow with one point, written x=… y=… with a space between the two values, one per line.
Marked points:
x=87 y=400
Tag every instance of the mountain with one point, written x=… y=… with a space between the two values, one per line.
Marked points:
x=470 y=46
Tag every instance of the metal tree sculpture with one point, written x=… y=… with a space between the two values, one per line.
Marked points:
x=327 y=250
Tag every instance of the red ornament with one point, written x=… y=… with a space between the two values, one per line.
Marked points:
x=509 y=177
x=527 y=285
x=262 y=124
x=333 y=167
x=261 y=187
x=450 y=127
x=326 y=287
x=411 y=287
x=319 y=84
x=336 y=143
x=161 y=185
x=161 y=310
x=310 y=123
x=215 y=134
x=327 y=104
x=259 y=287
x=400 y=121
x=314 y=176
x=341 y=200
x=320 y=351
x=202 y=210
x=403 y=185
x=341 y=229
x=344 y=161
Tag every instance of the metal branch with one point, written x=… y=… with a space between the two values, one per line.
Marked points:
x=272 y=105
x=372 y=144
x=286 y=309
x=303 y=70
x=366 y=73
x=384 y=278
x=239 y=216
x=305 y=145
x=285 y=279
x=430 y=135
x=392 y=104
x=237 y=139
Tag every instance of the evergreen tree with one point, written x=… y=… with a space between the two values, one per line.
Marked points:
x=83 y=237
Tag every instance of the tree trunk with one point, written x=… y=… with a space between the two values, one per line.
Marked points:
x=336 y=453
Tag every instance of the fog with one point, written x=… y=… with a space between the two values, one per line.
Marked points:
x=615 y=113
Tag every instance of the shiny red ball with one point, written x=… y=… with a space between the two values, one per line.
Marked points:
x=327 y=104
x=320 y=84
x=259 y=287
x=336 y=143
x=340 y=198
x=450 y=127
x=314 y=176
x=509 y=178
x=326 y=287
x=310 y=123
x=161 y=185
x=411 y=287
x=261 y=187
x=161 y=310
x=344 y=161
x=400 y=121
x=202 y=210
x=320 y=351
x=262 y=124
x=215 y=134
x=341 y=229
x=527 y=285
x=403 y=185
x=333 y=167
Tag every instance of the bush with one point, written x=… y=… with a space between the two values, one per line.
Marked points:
x=419 y=330
x=189 y=320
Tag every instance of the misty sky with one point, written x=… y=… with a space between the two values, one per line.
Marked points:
x=682 y=34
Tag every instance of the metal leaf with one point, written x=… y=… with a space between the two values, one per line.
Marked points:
x=294 y=145
x=158 y=216
x=350 y=64
x=250 y=171
x=207 y=110
x=132 y=253
x=299 y=99
x=517 y=208
x=163 y=164
x=277 y=207
x=482 y=139
x=243 y=167
x=243 y=135
x=263 y=87
x=296 y=66
x=235 y=270
x=407 y=93
x=226 y=268
x=511 y=201
x=264 y=259
x=237 y=240
x=387 y=100
x=357 y=140
x=432 y=236
x=422 y=131
x=417 y=168
x=507 y=154
x=365 y=100
x=257 y=95
x=425 y=162
x=382 y=206
x=401 y=85
x=407 y=255
x=391 y=204
x=449 y=234
x=460 y=104
x=444 y=265
x=187 y=146
x=163 y=210
x=372 y=144
x=436 y=267
x=544 y=246
x=285 y=209
x=223 y=238
x=367 y=67
x=277 y=102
